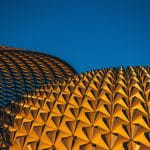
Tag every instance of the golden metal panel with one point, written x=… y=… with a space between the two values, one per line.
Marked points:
x=107 y=109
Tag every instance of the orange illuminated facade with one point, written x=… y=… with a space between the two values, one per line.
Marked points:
x=107 y=109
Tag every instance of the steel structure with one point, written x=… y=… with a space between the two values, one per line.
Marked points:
x=22 y=71
x=106 y=109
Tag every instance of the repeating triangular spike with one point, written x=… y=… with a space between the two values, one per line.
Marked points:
x=105 y=109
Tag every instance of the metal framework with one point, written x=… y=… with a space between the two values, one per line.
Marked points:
x=22 y=71
x=106 y=109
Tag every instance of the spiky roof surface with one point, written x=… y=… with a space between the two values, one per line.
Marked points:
x=106 y=109
x=22 y=71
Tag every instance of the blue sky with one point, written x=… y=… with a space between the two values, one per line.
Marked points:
x=88 y=34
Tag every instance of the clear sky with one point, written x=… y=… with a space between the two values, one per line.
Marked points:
x=88 y=34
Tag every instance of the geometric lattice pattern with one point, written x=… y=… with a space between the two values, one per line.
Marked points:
x=106 y=109
x=22 y=71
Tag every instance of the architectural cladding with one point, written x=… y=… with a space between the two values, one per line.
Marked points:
x=106 y=109
x=22 y=71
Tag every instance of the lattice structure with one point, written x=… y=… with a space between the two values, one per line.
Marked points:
x=106 y=109
x=22 y=71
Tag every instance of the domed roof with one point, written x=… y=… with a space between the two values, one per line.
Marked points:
x=103 y=109
x=23 y=70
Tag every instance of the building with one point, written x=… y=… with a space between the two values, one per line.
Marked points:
x=107 y=109
x=23 y=70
